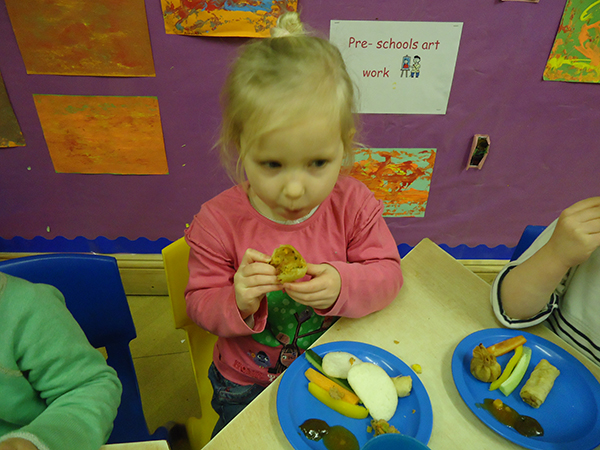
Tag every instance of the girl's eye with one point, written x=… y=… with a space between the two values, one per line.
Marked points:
x=319 y=162
x=271 y=164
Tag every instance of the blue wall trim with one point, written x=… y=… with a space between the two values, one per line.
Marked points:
x=146 y=246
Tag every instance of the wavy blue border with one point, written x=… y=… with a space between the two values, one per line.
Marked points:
x=80 y=244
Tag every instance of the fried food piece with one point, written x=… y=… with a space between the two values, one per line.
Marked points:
x=540 y=383
x=484 y=366
x=289 y=263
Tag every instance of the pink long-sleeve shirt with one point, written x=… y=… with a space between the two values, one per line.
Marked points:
x=347 y=231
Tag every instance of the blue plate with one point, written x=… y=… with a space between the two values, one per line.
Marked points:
x=295 y=404
x=569 y=416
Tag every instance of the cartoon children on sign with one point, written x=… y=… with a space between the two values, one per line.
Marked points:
x=414 y=70
x=416 y=67
x=405 y=66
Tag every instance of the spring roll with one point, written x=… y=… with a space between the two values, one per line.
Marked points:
x=539 y=384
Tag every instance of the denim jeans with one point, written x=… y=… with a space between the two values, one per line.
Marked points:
x=229 y=398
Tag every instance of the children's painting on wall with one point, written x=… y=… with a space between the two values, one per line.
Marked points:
x=575 y=55
x=400 y=177
x=116 y=135
x=81 y=37
x=218 y=18
x=10 y=132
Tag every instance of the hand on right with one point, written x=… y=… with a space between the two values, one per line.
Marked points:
x=254 y=278
x=577 y=232
x=17 y=444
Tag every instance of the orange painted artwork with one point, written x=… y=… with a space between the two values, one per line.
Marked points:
x=82 y=37
x=575 y=55
x=400 y=177
x=243 y=18
x=10 y=131
x=93 y=134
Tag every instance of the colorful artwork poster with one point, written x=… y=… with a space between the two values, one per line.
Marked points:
x=399 y=67
x=10 y=132
x=82 y=37
x=244 y=18
x=117 y=135
x=575 y=55
x=400 y=177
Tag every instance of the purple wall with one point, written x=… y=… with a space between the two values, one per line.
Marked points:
x=544 y=135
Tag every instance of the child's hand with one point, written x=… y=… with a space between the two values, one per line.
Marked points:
x=321 y=292
x=17 y=444
x=253 y=279
x=577 y=232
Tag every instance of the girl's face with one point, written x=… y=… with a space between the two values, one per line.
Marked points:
x=293 y=169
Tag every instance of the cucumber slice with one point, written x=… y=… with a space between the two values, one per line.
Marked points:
x=517 y=374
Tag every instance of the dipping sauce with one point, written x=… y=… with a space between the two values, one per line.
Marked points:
x=525 y=425
x=335 y=438
x=315 y=429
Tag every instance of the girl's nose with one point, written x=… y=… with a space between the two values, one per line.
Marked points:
x=294 y=188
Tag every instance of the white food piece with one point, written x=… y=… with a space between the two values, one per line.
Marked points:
x=337 y=364
x=403 y=385
x=375 y=389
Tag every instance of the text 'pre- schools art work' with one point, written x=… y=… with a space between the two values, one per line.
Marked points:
x=399 y=67
x=218 y=18
x=575 y=55
x=400 y=177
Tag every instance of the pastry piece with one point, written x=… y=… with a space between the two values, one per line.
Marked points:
x=289 y=263
x=539 y=384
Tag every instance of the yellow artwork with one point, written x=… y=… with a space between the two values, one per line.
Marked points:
x=89 y=134
x=10 y=132
x=575 y=55
x=82 y=37
x=245 y=18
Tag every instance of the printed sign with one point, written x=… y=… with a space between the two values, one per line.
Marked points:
x=399 y=67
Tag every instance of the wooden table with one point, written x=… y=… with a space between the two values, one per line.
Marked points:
x=440 y=303
x=148 y=445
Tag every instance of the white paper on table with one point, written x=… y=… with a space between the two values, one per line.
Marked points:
x=376 y=54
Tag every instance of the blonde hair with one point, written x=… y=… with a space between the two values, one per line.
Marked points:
x=278 y=80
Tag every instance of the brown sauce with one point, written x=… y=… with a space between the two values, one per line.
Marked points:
x=335 y=438
x=525 y=425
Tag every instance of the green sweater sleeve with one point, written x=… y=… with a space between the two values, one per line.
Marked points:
x=78 y=392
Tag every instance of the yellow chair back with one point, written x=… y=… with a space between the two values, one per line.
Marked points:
x=200 y=342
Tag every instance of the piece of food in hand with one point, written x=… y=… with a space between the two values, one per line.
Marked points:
x=517 y=374
x=506 y=345
x=335 y=390
x=540 y=383
x=382 y=427
x=403 y=385
x=344 y=408
x=289 y=263
x=337 y=364
x=484 y=366
x=375 y=389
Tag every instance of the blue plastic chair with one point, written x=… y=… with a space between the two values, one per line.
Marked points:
x=529 y=235
x=94 y=294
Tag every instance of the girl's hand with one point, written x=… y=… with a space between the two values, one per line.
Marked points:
x=321 y=292
x=17 y=444
x=253 y=279
x=577 y=232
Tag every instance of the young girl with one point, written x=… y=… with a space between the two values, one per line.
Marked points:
x=288 y=125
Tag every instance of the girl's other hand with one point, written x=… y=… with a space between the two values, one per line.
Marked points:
x=17 y=444
x=577 y=232
x=253 y=279
x=321 y=292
